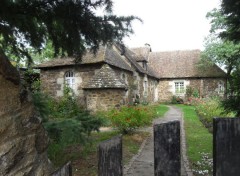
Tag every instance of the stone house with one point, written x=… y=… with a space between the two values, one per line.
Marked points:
x=108 y=79
x=117 y=75
x=179 y=69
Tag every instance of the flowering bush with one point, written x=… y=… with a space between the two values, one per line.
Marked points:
x=209 y=108
x=129 y=118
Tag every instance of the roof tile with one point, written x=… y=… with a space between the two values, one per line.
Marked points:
x=105 y=78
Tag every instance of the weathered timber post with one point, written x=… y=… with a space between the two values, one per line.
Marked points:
x=167 y=158
x=110 y=157
x=226 y=146
x=66 y=170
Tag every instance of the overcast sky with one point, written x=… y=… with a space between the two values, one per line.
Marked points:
x=168 y=24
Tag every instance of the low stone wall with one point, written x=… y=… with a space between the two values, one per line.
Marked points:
x=104 y=99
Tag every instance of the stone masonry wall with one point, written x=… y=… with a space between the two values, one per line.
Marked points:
x=52 y=80
x=135 y=82
x=164 y=92
x=206 y=87
x=127 y=77
x=23 y=140
x=104 y=99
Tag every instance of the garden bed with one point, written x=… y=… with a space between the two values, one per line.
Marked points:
x=84 y=157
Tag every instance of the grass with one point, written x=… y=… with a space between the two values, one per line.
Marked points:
x=161 y=110
x=84 y=157
x=86 y=163
x=199 y=142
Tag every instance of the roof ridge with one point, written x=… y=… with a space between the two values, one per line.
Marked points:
x=171 y=51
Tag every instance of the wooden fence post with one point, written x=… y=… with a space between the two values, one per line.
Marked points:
x=226 y=146
x=110 y=157
x=66 y=170
x=167 y=158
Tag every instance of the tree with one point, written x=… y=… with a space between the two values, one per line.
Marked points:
x=71 y=25
x=224 y=52
x=231 y=10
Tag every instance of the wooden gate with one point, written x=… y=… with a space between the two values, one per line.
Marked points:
x=167 y=160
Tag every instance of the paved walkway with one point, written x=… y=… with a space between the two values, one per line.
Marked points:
x=143 y=163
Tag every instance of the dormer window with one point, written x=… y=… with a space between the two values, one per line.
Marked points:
x=70 y=79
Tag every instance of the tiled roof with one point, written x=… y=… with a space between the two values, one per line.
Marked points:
x=105 y=78
x=133 y=57
x=105 y=54
x=181 y=64
x=142 y=53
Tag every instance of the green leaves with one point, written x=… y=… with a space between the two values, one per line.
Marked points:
x=72 y=26
x=128 y=118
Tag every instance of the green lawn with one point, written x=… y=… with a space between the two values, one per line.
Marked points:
x=161 y=110
x=199 y=142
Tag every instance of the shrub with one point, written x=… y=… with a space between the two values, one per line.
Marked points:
x=65 y=121
x=128 y=118
x=189 y=91
x=209 y=108
x=176 y=100
x=195 y=93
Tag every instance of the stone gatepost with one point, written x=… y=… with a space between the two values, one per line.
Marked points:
x=23 y=140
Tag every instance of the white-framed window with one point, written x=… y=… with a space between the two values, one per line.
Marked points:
x=70 y=79
x=179 y=87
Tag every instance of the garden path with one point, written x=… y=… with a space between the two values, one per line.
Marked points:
x=143 y=163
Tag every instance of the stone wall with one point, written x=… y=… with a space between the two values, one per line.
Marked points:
x=104 y=99
x=164 y=92
x=152 y=90
x=135 y=83
x=127 y=77
x=52 y=80
x=23 y=140
x=205 y=86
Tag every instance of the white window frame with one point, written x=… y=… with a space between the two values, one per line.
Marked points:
x=70 y=79
x=179 y=87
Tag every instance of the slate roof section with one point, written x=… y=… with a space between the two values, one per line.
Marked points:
x=104 y=55
x=182 y=64
x=105 y=78
x=133 y=57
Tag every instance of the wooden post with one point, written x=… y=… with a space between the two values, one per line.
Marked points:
x=66 y=170
x=226 y=146
x=167 y=158
x=110 y=157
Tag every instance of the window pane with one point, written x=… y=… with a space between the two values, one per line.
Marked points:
x=179 y=87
